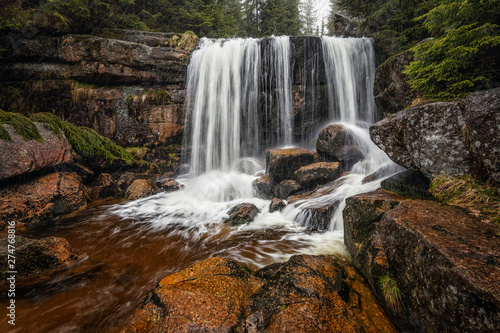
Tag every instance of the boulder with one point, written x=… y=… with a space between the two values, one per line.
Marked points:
x=241 y=214
x=42 y=199
x=445 y=262
x=263 y=187
x=317 y=174
x=281 y=164
x=286 y=188
x=21 y=156
x=35 y=258
x=345 y=27
x=276 y=205
x=104 y=187
x=141 y=188
x=391 y=88
x=305 y=294
x=408 y=183
x=336 y=143
x=126 y=179
x=455 y=138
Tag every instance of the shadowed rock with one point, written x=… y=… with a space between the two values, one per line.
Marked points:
x=241 y=214
x=336 y=143
x=286 y=188
x=281 y=164
x=276 y=205
x=317 y=174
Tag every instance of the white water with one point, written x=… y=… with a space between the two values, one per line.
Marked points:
x=227 y=81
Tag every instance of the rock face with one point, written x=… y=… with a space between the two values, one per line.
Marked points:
x=335 y=143
x=344 y=27
x=42 y=199
x=445 y=137
x=392 y=92
x=141 y=188
x=317 y=174
x=445 y=262
x=241 y=214
x=276 y=205
x=22 y=156
x=286 y=188
x=35 y=256
x=263 y=187
x=408 y=183
x=281 y=164
x=221 y=295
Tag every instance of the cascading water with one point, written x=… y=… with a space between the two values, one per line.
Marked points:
x=239 y=103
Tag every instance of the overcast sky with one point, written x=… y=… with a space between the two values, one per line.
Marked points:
x=323 y=9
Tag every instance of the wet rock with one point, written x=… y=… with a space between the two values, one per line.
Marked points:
x=20 y=156
x=439 y=256
x=336 y=143
x=43 y=199
x=408 y=183
x=263 y=187
x=105 y=187
x=221 y=295
x=241 y=214
x=126 y=179
x=208 y=296
x=168 y=185
x=276 y=205
x=281 y=164
x=391 y=89
x=35 y=258
x=286 y=188
x=141 y=188
x=317 y=174
x=455 y=138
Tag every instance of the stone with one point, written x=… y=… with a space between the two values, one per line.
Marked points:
x=211 y=295
x=317 y=174
x=441 y=257
x=459 y=137
x=141 y=188
x=126 y=179
x=42 y=199
x=276 y=205
x=286 y=188
x=336 y=143
x=105 y=187
x=241 y=214
x=305 y=294
x=344 y=27
x=35 y=258
x=281 y=164
x=263 y=187
x=408 y=183
x=168 y=185
x=391 y=88
x=21 y=156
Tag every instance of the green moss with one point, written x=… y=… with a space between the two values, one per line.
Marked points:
x=23 y=126
x=4 y=135
x=85 y=141
x=391 y=292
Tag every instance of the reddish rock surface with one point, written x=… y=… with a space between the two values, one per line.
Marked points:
x=286 y=188
x=42 y=199
x=141 y=188
x=168 y=185
x=276 y=205
x=21 y=156
x=335 y=143
x=317 y=174
x=221 y=295
x=281 y=164
x=445 y=261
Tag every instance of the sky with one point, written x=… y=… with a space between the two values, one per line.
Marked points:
x=323 y=10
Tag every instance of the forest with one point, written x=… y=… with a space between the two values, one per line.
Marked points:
x=455 y=42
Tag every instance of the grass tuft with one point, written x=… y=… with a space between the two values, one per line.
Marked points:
x=391 y=292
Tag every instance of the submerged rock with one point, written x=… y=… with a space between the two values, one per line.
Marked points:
x=317 y=174
x=168 y=185
x=35 y=257
x=286 y=188
x=241 y=214
x=141 y=188
x=276 y=205
x=305 y=294
x=281 y=164
x=440 y=257
x=21 y=156
x=42 y=199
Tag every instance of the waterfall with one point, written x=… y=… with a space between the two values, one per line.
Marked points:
x=350 y=64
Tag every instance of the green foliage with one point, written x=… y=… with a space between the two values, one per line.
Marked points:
x=280 y=17
x=23 y=126
x=463 y=55
x=85 y=141
x=391 y=292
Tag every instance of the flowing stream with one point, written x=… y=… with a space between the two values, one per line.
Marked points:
x=240 y=103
